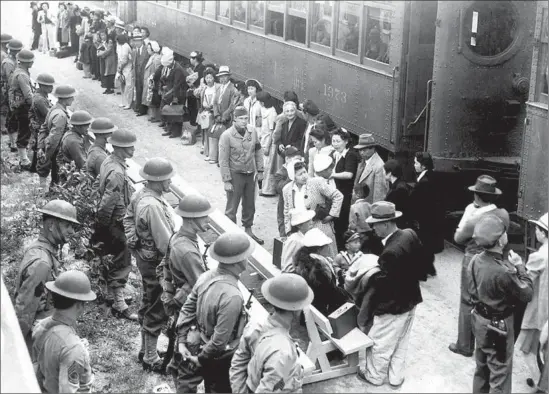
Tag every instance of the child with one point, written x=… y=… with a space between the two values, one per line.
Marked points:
x=358 y=214
x=85 y=55
x=347 y=257
x=281 y=179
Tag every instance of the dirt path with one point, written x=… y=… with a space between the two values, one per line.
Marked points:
x=431 y=367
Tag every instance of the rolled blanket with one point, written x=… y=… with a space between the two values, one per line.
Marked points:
x=353 y=277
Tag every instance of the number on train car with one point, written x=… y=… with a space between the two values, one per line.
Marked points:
x=335 y=93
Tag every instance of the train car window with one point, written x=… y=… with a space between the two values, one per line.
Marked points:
x=377 y=34
x=196 y=7
x=239 y=11
x=348 y=26
x=276 y=18
x=543 y=61
x=224 y=9
x=209 y=8
x=322 y=18
x=490 y=27
x=257 y=13
x=297 y=21
x=182 y=5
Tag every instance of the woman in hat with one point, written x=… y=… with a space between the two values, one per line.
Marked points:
x=206 y=96
x=267 y=126
x=198 y=68
x=151 y=98
x=107 y=54
x=346 y=164
x=75 y=22
x=125 y=69
x=322 y=141
x=536 y=312
x=253 y=87
x=83 y=28
x=47 y=22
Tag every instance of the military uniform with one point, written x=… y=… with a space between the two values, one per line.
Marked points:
x=215 y=305
x=266 y=360
x=115 y=192
x=74 y=147
x=184 y=265
x=7 y=67
x=39 y=266
x=63 y=362
x=149 y=225
x=20 y=100
x=37 y=116
x=49 y=140
x=96 y=156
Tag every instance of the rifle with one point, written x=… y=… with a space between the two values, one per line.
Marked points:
x=172 y=335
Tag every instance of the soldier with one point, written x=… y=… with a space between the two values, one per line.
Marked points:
x=5 y=38
x=485 y=195
x=9 y=63
x=495 y=286
x=41 y=104
x=266 y=359
x=115 y=192
x=184 y=263
x=49 y=138
x=102 y=129
x=20 y=99
x=149 y=225
x=62 y=358
x=216 y=307
x=76 y=142
x=40 y=264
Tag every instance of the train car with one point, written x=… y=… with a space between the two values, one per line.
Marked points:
x=451 y=77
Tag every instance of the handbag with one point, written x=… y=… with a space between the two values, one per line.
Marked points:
x=217 y=130
x=205 y=119
x=79 y=66
x=175 y=112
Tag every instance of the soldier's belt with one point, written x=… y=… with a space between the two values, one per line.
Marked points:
x=488 y=313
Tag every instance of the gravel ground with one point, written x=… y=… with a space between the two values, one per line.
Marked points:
x=431 y=367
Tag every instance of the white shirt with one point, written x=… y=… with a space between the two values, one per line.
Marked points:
x=384 y=240
x=471 y=211
x=209 y=94
x=421 y=175
x=307 y=133
x=299 y=197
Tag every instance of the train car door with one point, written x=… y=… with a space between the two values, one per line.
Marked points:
x=418 y=71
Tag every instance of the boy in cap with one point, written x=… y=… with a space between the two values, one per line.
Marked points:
x=241 y=165
x=284 y=176
x=495 y=286
x=347 y=257
x=62 y=358
x=214 y=311
x=267 y=357
x=485 y=194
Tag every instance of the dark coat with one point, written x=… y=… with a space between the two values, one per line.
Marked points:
x=108 y=59
x=426 y=213
x=85 y=52
x=139 y=63
x=174 y=84
x=404 y=262
x=349 y=163
x=400 y=196
x=293 y=136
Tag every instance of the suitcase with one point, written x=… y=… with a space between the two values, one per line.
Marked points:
x=343 y=320
x=63 y=53
x=277 y=252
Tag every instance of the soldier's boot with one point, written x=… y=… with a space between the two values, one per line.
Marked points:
x=24 y=161
x=119 y=307
x=13 y=142
x=142 y=349
x=151 y=361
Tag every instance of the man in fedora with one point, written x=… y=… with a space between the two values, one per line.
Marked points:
x=302 y=219
x=496 y=285
x=212 y=319
x=485 y=194
x=226 y=98
x=267 y=359
x=62 y=357
x=241 y=166
x=140 y=57
x=370 y=170
x=404 y=262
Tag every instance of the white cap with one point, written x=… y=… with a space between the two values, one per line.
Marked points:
x=322 y=162
x=315 y=237
x=166 y=59
x=300 y=216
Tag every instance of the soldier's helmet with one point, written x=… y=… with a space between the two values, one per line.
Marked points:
x=72 y=284
x=102 y=126
x=15 y=45
x=5 y=38
x=194 y=206
x=157 y=169
x=60 y=209
x=64 y=91
x=81 y=117
x=231 y=248
x=122 y=138
x=25 y=56
x=287 y=291
x=45 y=79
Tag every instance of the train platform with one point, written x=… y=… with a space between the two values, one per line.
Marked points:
x=431 y=367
